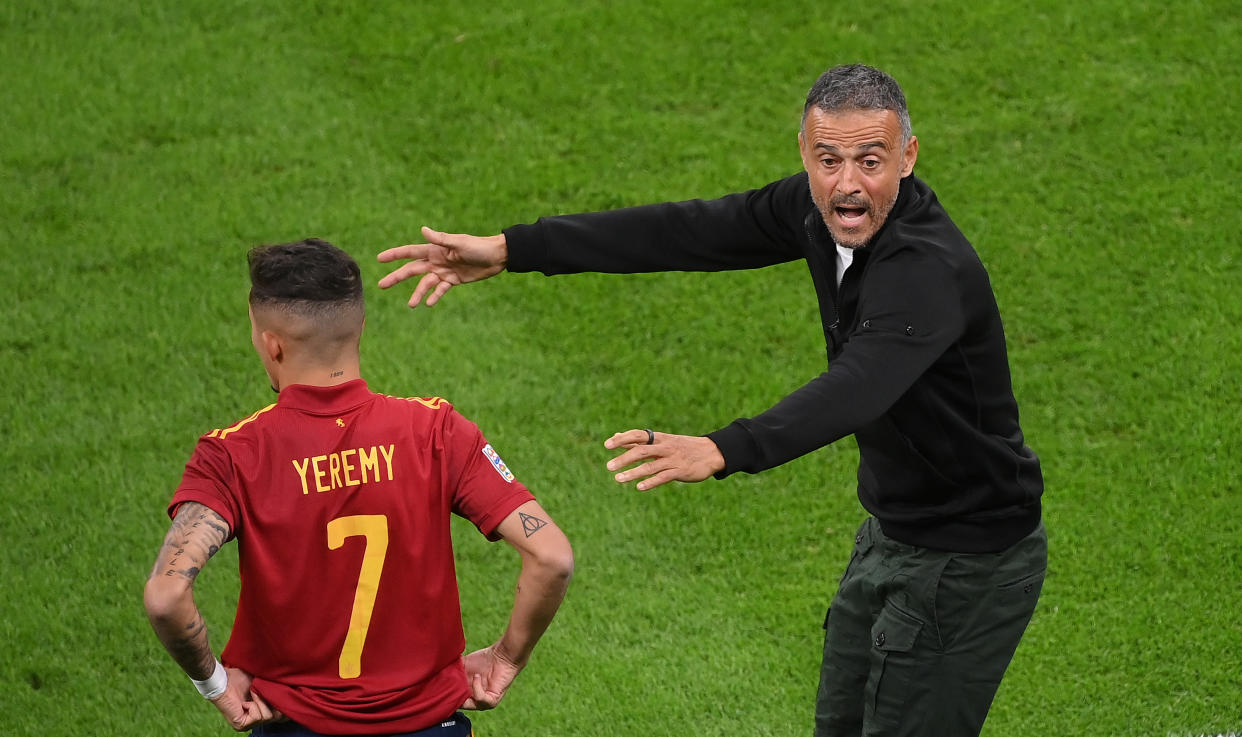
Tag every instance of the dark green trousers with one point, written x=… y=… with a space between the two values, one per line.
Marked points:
x=917 y=640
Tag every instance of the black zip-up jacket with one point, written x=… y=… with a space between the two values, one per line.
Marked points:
x=917 y=366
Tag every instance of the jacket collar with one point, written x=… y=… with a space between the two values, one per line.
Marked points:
x=906 y=197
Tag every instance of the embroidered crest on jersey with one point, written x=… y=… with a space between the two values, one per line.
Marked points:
x=497 y=463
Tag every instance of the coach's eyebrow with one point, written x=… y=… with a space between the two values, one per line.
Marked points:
x=860 y=147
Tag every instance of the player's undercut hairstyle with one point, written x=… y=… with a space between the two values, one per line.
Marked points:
x=859 y=87
x=312 y=278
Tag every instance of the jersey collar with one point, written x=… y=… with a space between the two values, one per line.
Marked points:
x=325 y=400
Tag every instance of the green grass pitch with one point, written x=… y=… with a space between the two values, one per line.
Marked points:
x=1088 y=150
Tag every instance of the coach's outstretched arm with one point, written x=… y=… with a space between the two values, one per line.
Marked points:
x=195 y=535
x=547 y=565
x=445 y=261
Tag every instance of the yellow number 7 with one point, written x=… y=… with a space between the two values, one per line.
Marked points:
x=373 y=527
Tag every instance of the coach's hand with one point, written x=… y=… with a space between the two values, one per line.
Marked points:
x=668 y=458
x=489 y=673
x=241 y=707
x=446 y=260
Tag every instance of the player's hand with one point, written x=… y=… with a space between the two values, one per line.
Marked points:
x=241 y=707
x=489 y=674
x=446 y=260
x=670 y=458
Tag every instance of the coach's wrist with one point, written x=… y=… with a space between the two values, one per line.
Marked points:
x=214 y=685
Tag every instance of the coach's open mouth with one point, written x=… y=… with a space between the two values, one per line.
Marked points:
x=851 y=216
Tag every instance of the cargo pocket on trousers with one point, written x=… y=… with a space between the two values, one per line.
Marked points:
x=893 y=664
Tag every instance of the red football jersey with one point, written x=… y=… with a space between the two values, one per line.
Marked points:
x=340 y=498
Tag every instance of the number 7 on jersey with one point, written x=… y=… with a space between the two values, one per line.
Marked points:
x=374 y=529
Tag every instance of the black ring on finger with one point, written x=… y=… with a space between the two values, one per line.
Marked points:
x=650 y=437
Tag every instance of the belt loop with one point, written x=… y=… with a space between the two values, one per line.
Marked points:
x=865 y=539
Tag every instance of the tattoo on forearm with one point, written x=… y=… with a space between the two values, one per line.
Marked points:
x=191 y=649
x=531 y=524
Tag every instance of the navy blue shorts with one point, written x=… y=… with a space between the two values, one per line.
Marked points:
x=455 y=726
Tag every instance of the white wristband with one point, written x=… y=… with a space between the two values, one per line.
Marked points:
x=215 y=684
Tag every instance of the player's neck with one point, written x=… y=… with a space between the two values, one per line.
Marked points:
x=321 y=375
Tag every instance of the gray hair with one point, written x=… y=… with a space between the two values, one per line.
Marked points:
x=859 y=87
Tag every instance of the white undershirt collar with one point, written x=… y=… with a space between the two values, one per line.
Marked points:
x=845 y=257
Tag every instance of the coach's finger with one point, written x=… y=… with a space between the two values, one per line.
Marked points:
x=413 y=250
x=627 y=439
x=634 y=454
x=441 y=288
x=448 y=240
x=429 y=281
x=661 y=478
x=403 y=272
x=653 y=466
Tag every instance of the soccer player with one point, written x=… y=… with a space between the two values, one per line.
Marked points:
x=348 y=620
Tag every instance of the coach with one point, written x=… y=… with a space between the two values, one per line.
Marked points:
x=945 y=574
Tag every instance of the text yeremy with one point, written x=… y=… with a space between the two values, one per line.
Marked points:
x=340 y=469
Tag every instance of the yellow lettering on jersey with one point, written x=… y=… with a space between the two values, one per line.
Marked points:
x=334 y=468
x=347 y=467
x=341 y=469
x=302 y=473
x=369 y=459
x=319 y=487
x=387 y=453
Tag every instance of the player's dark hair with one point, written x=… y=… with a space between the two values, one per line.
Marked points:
x=311 y=277
x=858 y=87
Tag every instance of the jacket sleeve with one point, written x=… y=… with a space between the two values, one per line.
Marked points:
x=909 y=314
x=738 y=231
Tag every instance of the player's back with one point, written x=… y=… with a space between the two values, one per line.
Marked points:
x=340 y=503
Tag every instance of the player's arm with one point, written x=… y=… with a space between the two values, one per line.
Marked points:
x=547 y=565
x=194 y=537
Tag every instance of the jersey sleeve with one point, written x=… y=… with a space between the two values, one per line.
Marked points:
x=209 y=479
x=484 y=490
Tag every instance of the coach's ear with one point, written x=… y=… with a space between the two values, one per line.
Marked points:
x=909 y=156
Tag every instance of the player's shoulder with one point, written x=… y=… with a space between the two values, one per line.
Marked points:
x=418 y=405
x=241 y=428
x=425 y=412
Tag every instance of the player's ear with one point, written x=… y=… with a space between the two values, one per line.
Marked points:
x=273 y=346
